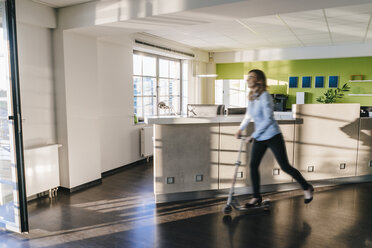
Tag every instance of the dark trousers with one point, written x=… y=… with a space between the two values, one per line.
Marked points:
x=277 y=146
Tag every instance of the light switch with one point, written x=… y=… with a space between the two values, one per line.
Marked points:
x=276 y=172
x=198 y=178
x=239 y=174
x=170 y=180
x=342 y=166
x=310 y=169
x=370 y=163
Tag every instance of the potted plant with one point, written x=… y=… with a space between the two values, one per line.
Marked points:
x=331 y=95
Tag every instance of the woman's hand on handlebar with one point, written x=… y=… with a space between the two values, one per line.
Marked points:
x=238 y=134
x=249 y=139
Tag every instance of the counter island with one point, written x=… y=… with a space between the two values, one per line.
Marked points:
x=194 y=157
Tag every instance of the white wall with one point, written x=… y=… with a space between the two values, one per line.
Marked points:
x=35 y=57
x=119 y=136
x=31 y=13
x=83 y=105
x=37 y=85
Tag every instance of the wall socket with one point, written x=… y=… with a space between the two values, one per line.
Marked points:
x=276 y=172
x=170 y=180
x=198 y=178
x=342 y=166
x=239 y=174
x=310 y=169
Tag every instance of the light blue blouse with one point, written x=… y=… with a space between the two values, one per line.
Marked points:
x=261 y=111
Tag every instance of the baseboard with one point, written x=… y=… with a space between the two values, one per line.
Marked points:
x=197 y=195
x=81 y=187
x=104 y=174
x=125 y=167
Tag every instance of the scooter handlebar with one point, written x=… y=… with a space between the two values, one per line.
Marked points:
x=245 y=138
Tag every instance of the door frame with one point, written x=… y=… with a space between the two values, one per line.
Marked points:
x=17 y=117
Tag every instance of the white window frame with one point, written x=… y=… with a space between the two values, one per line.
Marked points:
x=226 y=93
x=157 y=78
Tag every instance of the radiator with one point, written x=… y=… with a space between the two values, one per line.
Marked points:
x=147 y=141
x=41 y=169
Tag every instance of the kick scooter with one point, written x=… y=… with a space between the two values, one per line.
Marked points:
x=232 y=202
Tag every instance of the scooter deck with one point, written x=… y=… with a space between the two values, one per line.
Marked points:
x=264 y=206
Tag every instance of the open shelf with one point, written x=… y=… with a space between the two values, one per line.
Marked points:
x=358 y=81
x=360 y=94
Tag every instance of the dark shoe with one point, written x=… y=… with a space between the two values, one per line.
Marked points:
x=308 y=194
x=254 y=202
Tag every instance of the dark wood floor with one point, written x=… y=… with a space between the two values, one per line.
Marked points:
x=121 y=213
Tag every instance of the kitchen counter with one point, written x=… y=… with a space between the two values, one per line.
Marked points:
x=194 y=157
x=200 y=120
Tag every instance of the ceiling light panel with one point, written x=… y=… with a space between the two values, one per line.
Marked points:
x=316 y=35
x=310 y=31
x=261 y=24
x=347 y=37
x=311 y=14
x=348 y=30
x=304 y=23
x=318 y=43
x=362 y=18
x=314 y=39
x=349 y=10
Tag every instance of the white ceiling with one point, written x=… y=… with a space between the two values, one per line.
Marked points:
x=212 y=32
x=225 y=27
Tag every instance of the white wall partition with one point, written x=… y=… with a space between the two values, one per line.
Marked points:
x=82 y=108
x=119 y=136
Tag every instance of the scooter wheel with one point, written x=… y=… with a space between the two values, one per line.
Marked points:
x=227 y=219
x=227 y=209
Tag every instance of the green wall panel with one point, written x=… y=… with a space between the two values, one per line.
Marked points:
x=281 y=70
x=230 y=71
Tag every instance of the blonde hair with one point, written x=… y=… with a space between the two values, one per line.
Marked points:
x=261 y=84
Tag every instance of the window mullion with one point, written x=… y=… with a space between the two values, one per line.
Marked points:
x=142 y=99
x=157 y=86
x=181 y=88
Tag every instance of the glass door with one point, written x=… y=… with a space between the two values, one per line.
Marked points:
x=13 y=202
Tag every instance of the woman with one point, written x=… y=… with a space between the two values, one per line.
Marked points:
x=266 y=135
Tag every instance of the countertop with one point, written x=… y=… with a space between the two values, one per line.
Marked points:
x=202 y=120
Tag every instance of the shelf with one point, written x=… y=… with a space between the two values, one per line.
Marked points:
x=360 y=94
x=358 y=81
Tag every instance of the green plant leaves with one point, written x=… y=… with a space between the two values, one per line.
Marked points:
x=331 y=95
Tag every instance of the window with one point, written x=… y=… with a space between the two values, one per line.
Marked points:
x=158 y=79
x=231 y=93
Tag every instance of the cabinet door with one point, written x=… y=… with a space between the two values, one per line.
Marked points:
x=183 y=152
x=326 y=137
